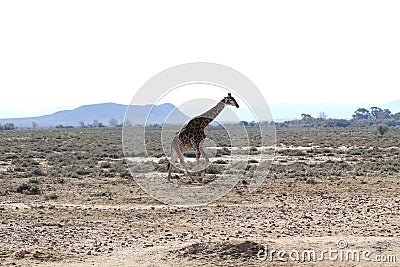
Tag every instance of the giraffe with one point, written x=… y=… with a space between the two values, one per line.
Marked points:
x=192 y=135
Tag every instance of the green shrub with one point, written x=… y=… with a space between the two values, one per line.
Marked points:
x=52 y=196
x=382 y=129
x=311 y=181
x=105 y=165
x=33 y=180
x=28 y=189
x=214 y=169
x=38 y=172
x=190 y=153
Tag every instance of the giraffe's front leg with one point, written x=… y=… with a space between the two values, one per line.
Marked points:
x=174 y=156
x=182 y=160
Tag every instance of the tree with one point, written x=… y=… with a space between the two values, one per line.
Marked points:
x=82 y=124
x=322 y=115
x=34 y=125
x=9 y=126
x=95 y=123
x=377 y=113
x=387 y=114
x=361 y=114
x=128 y=123
x=306 y=116
x=113 y=122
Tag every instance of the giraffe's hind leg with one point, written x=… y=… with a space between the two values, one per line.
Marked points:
x=198 y=154
x=206 y=162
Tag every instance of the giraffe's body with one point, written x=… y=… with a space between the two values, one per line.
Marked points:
x=192 y=135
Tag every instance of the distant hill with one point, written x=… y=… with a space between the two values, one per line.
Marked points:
x=103 y=113
x=392 y=106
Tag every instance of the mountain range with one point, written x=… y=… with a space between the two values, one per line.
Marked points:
x=103 y=113
x=169 y=113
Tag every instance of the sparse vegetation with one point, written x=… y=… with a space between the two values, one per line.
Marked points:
x=323 y=181
x=62 y=152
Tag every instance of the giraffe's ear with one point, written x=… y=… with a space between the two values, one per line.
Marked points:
x=229 y=95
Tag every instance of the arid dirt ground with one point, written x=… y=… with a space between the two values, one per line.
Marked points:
x=335 y=192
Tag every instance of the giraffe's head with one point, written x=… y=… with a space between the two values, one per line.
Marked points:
x=229 y=100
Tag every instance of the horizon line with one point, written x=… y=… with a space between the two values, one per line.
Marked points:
x=49 y=111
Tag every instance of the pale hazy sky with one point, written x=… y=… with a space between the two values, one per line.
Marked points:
x=69 y=53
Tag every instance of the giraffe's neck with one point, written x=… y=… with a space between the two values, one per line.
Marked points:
x=212 y=113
